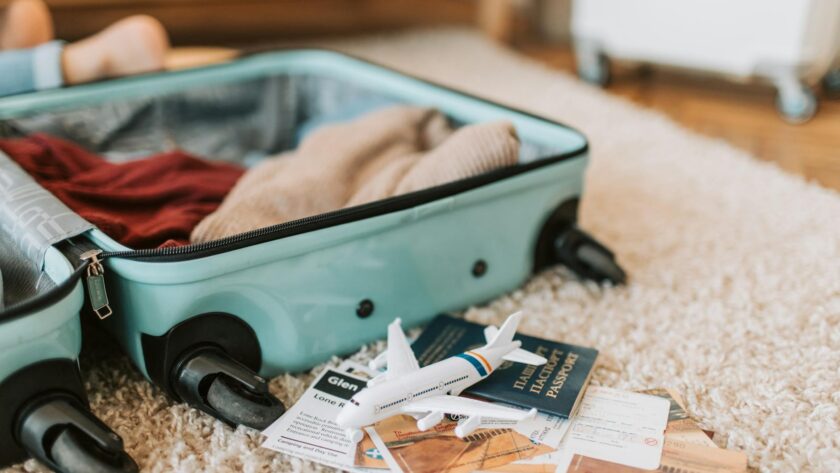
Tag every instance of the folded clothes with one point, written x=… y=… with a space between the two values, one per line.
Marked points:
x=147 y=203
x=391 y=151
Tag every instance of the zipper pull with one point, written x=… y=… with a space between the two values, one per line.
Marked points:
x=96 y=284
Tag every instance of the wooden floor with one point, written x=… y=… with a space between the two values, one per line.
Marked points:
x=744 y=115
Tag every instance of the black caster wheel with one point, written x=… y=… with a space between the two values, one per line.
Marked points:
x=587 y=257
x=57 y=431
x=562 y=242
x=797 y=106
x=240 y=405
x=210 y=380
x=74 y=452
x=599 y=262
x=594 y=68
x=831 y=83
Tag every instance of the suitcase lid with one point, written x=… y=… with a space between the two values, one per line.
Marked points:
x=269 y=78
x=33 y=274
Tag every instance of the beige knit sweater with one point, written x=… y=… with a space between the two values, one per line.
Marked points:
x=388 y=152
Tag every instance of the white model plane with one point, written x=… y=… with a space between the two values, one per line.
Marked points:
x=431 y=392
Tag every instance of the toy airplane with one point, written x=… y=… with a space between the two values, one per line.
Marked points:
x=431 y=392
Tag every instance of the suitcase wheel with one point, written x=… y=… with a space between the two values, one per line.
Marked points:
x=74 y=452
x=209 y=379
x=240 y=405
x=587 y=257
x=561 y=241
x=831 y=83
x=70 y=440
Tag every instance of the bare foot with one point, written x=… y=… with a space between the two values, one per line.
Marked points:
x=134 y=45
x=25 y=24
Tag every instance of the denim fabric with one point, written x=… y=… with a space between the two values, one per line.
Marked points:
x=28 y=70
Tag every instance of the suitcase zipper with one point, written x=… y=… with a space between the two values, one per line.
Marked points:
x=95 y=280
x=336 y=217
x=93 y=270
x=235 y=241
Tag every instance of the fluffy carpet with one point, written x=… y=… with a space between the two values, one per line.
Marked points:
x=734 y=298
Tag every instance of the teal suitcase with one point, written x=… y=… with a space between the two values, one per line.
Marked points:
x=43 y=405
x=208 y=321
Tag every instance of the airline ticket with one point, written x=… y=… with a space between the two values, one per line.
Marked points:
x=617 y=426
x=308 y=429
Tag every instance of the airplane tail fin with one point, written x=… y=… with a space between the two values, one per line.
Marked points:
x=490 y=332
x=503 y=337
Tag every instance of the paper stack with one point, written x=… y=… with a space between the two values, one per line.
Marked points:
x=582 y=430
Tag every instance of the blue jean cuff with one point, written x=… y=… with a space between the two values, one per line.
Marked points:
x=46 y=65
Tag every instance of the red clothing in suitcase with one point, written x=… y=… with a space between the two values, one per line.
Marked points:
x=146 y=203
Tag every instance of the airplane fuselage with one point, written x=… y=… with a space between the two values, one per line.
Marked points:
x=405 y=387
x=449 y=376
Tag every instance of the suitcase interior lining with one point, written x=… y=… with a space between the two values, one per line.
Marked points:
x=239 y=122
x=21 y=278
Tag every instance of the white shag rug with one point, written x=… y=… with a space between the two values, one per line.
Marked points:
x=734 y=297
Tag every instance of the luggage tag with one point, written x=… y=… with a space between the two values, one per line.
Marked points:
x=96 y=285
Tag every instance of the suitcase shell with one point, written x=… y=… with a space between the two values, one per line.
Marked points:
x=288 y=297
x=40 y=341
x=790 y=43
x=47 y=330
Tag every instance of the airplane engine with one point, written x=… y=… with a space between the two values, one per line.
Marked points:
x=354 y=435
x=467 y=426
x=429 y=421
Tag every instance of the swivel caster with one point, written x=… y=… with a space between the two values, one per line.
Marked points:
x=795 y=102
x=210 y=380
x=831 y=83
x=67 y=438
x=561 y=241
x=593 y=66
x=587 y=257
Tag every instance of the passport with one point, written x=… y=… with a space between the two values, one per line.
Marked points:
x=554 y=388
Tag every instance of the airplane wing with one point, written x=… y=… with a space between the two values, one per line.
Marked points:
x=401 y=359
x=467 y=407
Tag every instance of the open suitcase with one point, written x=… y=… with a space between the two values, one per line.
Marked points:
x=44 y=411
x=202 y=320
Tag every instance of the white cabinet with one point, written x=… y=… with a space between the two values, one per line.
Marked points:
x=793 y=43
